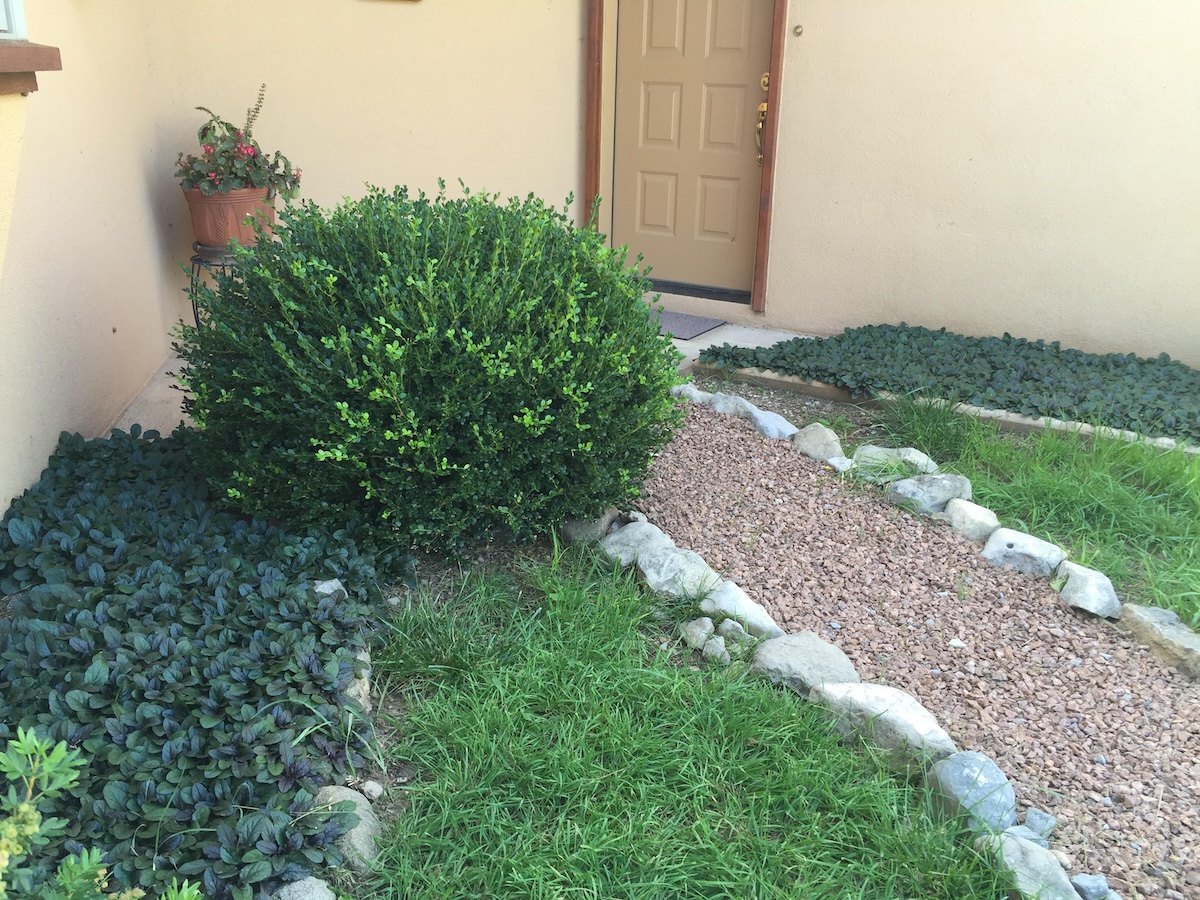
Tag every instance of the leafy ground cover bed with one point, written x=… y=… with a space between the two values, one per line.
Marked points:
x=1158 y=397
x=184 y=651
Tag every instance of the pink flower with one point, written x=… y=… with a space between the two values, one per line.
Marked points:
x=207 y=148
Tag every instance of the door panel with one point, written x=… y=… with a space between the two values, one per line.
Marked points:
x=685 y=172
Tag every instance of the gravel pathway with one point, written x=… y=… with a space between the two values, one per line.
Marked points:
x=1088 y=725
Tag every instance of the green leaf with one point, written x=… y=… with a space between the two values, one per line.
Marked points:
x=97 y=673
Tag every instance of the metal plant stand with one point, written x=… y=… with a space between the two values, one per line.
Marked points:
x=206 y=259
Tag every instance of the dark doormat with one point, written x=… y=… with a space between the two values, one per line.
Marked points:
x=684 y=326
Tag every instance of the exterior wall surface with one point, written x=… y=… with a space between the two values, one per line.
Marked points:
x=379 y=92
x=12 y=130
x=1027 y=166
x=82 y=310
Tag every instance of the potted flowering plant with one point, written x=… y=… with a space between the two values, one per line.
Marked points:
x=233 y=179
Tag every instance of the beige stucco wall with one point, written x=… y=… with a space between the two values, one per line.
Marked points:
x=385 y=92
x=81 y=304
x=12 y=131
x=1027 y=166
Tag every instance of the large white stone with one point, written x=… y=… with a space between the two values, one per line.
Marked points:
x=727 y=600
x=971 y=520
x=1088 y=590
x=359 y=690
x=1169 y=639
x=692 y=393
x=970 y=784
x=733 y=405
x=818 y=442
x=627 y=543
x=772 y=425
x=697 y=632
x=1022 y=552
x=357 y=844
x=883 y=465
x=676 y=572
x=927 y=494
x=888 y=719
x=1035 y=872
x=305 y=889
x=802 y=662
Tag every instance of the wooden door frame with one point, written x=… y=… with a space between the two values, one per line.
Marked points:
x=594 y=128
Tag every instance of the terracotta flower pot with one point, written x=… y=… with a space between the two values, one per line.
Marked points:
x=219 y=217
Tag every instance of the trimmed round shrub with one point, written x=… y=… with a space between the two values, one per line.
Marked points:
x=436 y=369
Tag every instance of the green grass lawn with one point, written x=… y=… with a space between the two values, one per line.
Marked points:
x=1130 y=511
x=562 y=752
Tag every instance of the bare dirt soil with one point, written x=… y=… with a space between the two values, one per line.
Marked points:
x=1087 y=724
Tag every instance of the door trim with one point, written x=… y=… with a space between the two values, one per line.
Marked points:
x=601 y=86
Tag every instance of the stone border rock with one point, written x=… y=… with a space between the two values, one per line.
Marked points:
x=889 y=721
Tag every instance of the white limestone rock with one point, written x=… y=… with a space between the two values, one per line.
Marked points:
x=733 y=632
x=359 y=689
x=714 y=649
x=1022 y=552
x=772 y=425
x=357 y=844
x=305 y=889
x=971 y=520
x=331 y=588
x=1088 y=590
x=841 y=464
x=733 y=405
x=818 y=442
x=802 y=662
x=697 y=632
x=1168 y=638
x=970 y=784
x=727 y=600
x=677 y=573
x=888 y=719
x=1034 y=871
x=630 y=541
x=883 y=465
x=927 y=494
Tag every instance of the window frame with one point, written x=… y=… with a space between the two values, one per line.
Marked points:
x=20 y=59
x=14 y=17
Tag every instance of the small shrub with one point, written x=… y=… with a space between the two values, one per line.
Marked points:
x=448 y=367
x=1159 y=396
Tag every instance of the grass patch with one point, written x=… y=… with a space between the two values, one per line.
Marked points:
x=562 y=752
x=1131 y=511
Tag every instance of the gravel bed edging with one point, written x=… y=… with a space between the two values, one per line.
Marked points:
x=1008 y=421
x=891 y=722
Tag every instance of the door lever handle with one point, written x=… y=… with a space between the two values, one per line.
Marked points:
x=758 y=130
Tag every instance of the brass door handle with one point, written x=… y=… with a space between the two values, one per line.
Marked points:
x=765 y=84
x=758 y=130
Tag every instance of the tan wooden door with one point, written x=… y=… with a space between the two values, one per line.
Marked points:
x=686 y=177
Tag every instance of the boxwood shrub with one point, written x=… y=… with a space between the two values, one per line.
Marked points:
x=184 y=652
x=1158 y=396
x=448 y=367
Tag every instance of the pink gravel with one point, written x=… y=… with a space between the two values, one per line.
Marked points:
x=1087 y=724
